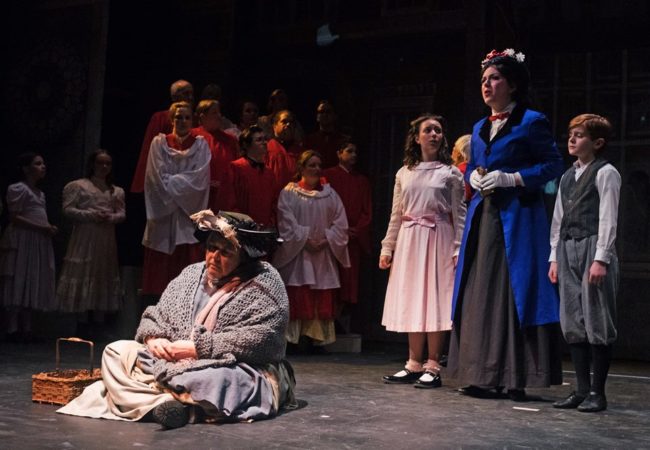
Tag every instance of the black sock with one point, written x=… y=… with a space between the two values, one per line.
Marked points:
x=580 y=355
x=601 y=355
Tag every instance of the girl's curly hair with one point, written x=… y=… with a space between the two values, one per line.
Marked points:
x=412 y=150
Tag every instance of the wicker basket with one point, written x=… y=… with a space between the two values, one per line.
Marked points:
x=61 y=386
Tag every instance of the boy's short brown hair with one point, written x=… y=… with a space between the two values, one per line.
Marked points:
x=204 y=106
x=598 y=127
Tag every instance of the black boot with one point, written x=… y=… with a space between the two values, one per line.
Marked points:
x=593 y=403
x=171 y=414
x=571 y=402
x=601 y=356
x=580 y=356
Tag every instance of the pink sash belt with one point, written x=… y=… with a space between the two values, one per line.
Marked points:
x=428 y=220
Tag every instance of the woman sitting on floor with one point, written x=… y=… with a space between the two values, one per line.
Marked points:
x=212 y=347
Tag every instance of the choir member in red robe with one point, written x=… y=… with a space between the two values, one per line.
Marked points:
x=212 y=91
x=225 y=144
x=224 y=149
x=253 y=182
x=328 y=140
x=181 y=91
x=249 y=114
x=278 y=101
x=355 y=193
x=176 y=185
x=313 y=226
x=283 y=149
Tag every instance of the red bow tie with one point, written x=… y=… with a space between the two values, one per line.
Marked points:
x=500 y=116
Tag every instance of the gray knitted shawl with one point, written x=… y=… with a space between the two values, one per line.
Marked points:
x=250 y=327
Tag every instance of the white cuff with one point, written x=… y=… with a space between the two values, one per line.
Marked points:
x=519 y=181
x=602 y=255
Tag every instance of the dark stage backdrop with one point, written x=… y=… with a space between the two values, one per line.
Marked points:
x=90 y=73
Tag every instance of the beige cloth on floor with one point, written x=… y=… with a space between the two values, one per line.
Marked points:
x=135 y=392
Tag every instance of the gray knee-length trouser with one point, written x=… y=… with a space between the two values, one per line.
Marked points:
x=587 y=311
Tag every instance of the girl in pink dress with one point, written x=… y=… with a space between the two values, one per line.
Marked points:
x=26 y=253
x=421 y=247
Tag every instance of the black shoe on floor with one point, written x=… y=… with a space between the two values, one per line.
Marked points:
x=404 y=376
x=477 y=392
x=171 y=414
x=571 y=402
x=593 y=403
x=428 y=380
x=517 y=395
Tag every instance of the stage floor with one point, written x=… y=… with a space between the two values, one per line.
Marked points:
x=344 y=404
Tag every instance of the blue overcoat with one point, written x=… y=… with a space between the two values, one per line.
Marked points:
x=525 y=145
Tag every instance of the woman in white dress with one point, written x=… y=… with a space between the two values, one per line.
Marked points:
x=26 y=253
x=90 y=279
x=313 y=225
x=421 y=247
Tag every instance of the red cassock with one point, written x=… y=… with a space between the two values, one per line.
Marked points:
x=226 y=144
x=355 y=193
x=327 y=144
x=255 y=191
x=468 y=189
x=160 y=268
x=224 y=149
x=282 y=161
x=159 y=123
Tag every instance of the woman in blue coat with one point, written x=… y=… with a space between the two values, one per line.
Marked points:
x=505 y=310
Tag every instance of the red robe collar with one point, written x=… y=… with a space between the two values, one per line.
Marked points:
x=187 y=143
x=319 y=187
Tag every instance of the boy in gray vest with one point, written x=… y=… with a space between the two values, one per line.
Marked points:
x=583 y=259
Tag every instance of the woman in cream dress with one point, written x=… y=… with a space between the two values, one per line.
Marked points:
x=90 y=279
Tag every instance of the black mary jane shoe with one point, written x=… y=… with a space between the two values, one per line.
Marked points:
x=593 y=403
x=571 y=402
x=404 y=376
x=428 y=380
x=171 y=414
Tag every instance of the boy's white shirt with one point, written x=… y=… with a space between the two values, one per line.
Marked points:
x=608 y=183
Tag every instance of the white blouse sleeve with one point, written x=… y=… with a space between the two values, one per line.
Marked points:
x=388 y=244
x=458 y=206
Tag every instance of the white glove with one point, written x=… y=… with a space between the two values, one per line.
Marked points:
x=475 y=180
x=496 y=179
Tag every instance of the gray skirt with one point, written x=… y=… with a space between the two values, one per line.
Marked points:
x=238 y=392
x=488 y=347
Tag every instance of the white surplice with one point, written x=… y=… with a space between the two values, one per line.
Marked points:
x=176 y=185
x=304 y=214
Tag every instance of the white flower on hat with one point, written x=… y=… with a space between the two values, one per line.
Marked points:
x=206 y=220
x=508 y=53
